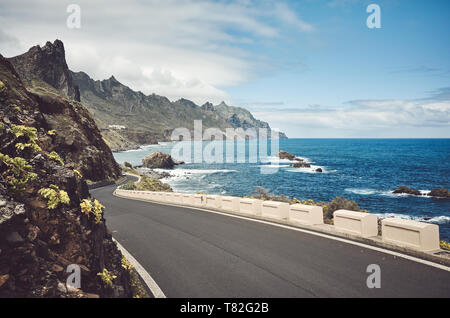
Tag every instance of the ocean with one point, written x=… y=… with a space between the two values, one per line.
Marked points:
x=363 y=170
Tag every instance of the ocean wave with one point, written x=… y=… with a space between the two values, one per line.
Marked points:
x=388 y=193
x=441 y=219
x=276 y=159
x=312 y=169
x=179 y=174
x=274 y=166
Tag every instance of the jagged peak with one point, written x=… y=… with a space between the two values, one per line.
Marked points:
x=187 y=101
x=222 y=104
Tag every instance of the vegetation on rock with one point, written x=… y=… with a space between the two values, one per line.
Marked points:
x=54 y=155
x=445 y=245
x=106 y=277
x=18 y=172
x=55 y=196
x=92 y=207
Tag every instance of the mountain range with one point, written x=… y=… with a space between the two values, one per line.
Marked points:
x=126 y=118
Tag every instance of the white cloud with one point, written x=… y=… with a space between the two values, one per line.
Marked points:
x=428 y=117
x=178 y=48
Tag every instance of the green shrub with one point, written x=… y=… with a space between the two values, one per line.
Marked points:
x=55 y=196
x=263 y=194
x=130 y=170
x=53 y=155
x=2 y=87
x=149 y=184
x=128 y=165
x=340 y=203
x=21 y=172
x=106 y=277
x=94 y=207
x=128 y=186
x=445 y=245
x=29 y=133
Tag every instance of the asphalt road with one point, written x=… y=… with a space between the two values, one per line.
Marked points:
x=192 y=253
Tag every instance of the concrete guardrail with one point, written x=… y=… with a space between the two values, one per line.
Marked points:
x=250 y=206
x=199 y=200
x=306 y=214
x=275 y=210
x=230 y=204
x=419 y=236
x=358 y=223
x=213 y=201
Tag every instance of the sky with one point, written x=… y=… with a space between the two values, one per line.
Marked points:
x=311 y=68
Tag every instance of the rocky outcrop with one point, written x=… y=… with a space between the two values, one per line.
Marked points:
x=300 y=163
x=77 y=139
x=406 y=190
x=286 y=155
x=42 y=226
x=159 y=160
x=439 y=193
x=46 y=68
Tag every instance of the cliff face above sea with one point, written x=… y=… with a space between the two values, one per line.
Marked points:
x=48 y=147
x=126 y=118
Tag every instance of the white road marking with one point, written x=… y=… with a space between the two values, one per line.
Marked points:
x=149 y=281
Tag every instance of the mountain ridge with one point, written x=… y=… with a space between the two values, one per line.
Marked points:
x=126 y=118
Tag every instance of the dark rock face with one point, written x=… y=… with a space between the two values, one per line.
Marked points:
x=77 y=139
x=440 y=193
x=208 y=106
x=406 y=190
x=38 y=241
x=158 y=160
x=47 y=65
x=319 y=170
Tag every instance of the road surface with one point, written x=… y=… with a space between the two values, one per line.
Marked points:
x=192 y=253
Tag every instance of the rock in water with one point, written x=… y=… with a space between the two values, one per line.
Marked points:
x=439 y=192
x=319 y=170
x=158 y=160
x=407 y=190
x=286 y=155
x=301 y=164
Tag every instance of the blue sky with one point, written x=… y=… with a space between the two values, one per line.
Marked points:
x=342 y=60
x=311 y=68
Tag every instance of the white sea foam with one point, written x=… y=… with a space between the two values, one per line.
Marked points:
x=311 y=169
x=180 y=174
x=388 y=193
x=441 y=219
x=274 y=166
x=276 y=159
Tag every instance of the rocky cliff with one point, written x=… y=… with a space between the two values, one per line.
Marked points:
x=46 y=68
x=77 y=139
x=47 y=218
x=146 y=119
